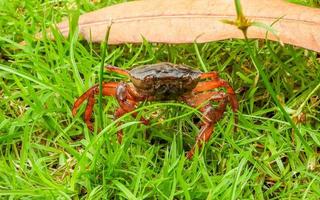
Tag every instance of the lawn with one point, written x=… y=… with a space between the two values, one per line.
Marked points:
x=46 y=153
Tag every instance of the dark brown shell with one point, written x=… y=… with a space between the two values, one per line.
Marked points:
x=164 y=80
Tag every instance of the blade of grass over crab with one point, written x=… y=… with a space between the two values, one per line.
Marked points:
x=102 y=64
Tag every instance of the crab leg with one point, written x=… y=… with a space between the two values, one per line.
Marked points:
x=108 y=89
x=210 y=115
x=88 y=112
x=216 y=83
x=128 y=102
x=212 y=75
x=117 y=70
x=117 y=114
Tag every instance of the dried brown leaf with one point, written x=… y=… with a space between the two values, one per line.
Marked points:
x=184 y=21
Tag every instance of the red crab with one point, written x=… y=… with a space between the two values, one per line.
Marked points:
x=165 y=81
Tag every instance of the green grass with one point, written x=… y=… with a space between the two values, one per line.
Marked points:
x=46 y=153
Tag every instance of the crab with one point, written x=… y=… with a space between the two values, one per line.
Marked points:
x=162 y=82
